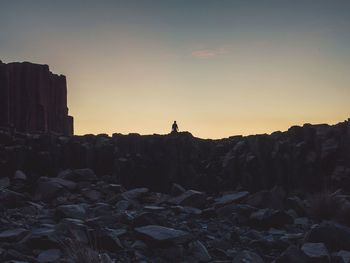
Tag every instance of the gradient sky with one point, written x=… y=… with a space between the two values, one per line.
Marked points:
x=219 y=68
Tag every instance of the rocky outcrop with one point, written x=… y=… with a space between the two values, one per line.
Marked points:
x=176 y=198
x=33 y=99
x=304 y=158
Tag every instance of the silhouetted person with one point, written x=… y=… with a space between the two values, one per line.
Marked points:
x=174 y=128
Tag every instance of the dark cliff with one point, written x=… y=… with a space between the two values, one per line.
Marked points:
x=33 y=99
x=262 y=198
x=305 y=158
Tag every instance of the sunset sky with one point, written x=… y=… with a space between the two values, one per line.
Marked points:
x=219 y=68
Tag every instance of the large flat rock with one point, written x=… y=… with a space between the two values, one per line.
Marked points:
x=163 y=234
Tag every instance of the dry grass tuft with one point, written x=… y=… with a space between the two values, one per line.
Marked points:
x=79 y=252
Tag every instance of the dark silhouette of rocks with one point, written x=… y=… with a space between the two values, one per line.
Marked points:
x=165 y=198
x=33 y=99
x=303 y=158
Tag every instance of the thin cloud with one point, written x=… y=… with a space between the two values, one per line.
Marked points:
x=211 y=53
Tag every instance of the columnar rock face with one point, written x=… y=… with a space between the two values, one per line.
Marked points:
x=176 y=198
x=33 y=99
x=305 y=158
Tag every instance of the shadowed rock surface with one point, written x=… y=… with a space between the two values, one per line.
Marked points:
x=176 y=198
x=33 y=99
x=303 y=158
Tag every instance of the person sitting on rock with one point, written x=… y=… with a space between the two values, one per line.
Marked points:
x=174 y=128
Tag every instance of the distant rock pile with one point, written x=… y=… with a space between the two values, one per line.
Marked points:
x=33 y=99
x=282 y=198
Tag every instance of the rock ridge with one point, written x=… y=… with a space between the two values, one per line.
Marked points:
x=33 y=99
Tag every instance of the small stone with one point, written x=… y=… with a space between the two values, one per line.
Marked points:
x=77 y=175
x=153 y=208
x=71 y=211
x=4 y=182
x=342 y=256
x=200 y=252
x=292 y=255
x=135 y=193
x=122 y=205
x=19 y=175
x=92 y=195
x=247 y=257
x=177 y=189
x=334 y=236
x=147 y=218
x=47 y=189
x=190 y=198
x=230 y=198
x=50 y=255
x=270 y=218
x=163 y=234
x=42 y=238
x=11 y=199
x=13 y=235
x=105 y=258
x=70 y=185
x=109 y=239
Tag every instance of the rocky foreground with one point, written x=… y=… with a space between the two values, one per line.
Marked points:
x=163 y=198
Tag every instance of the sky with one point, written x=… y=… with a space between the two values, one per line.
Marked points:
x=219 y=68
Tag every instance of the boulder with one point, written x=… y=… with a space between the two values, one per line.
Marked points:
x=109 y=239
x=19 y=175
x=199 y=251
x=177 y=189
x=71 y=211
x=267 y=218
x=334 y=236
x=91 y=194
x=42 y=238
x=246 y=256
x=148 y=218
x=135 y=193
x=13 y=235
x=50 y=255
x=4 y=182
x=292 y=255
x=73 y=228
x=268 y=199
x=230 y=198
x=342 y=256
x=77 y=175
x=190 y=198
x=122 y=205
x=316 y=252
x=11 y=199
x=105 y=258
x=297 y=205
x=243 y=211
x=49 y=188
x=70 y=185
x=163 y=234
x=174 y=253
